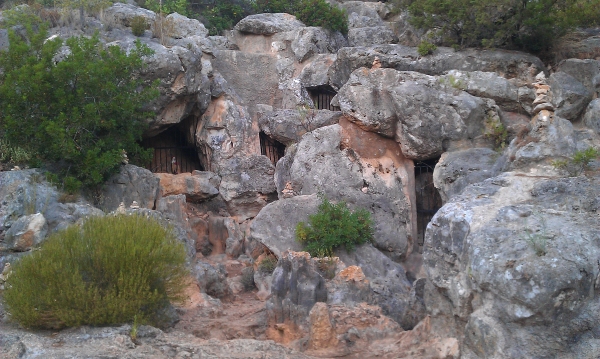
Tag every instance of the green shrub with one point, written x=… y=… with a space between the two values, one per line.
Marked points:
x=267 y=265
x=580 y=162
x=182 y=7
x=523 y=24
x=426 y=48
x=334 y=226
x=14 y=155
x=79 y=113
x=222 y=16
x=247 y=279
x=496 y=132
x=107 y=271
x=138 y=25
x=310 y=12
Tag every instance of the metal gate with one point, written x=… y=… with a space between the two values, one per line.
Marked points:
x=428 y=199
x=172 y=151
x=271 y=148
x=321 y=97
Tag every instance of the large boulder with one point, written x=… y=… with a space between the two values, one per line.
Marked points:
x=366 y=171
x=181 y=27
x=422 y=114
x=196 y=186
x=585 y=71
x=26 y=193
x=131 y=184
x=310 y=41
x=122 y=14
x=513 y=265
x=508 y=64
x=456 y=170
x=509 y=95
x=367 y=36
x=591 y=117
x=268 y=24
x=547 y=137
x=247 y=185
x=316 y=73
x=25 y=233
x=288 y=126
x=569 y=96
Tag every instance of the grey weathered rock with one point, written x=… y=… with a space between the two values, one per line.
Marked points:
x=275 y=225
x=3 y=39
x=408 y=35
x=422 y=114
x=25 y=233
x=310 y=41
x=122 y=14
x=173 y=213
x=368 y=36
x=26 y=192
x=197 y=186
x=132 y=183
x=223 y=43
x=268 y=24
x=297 y=285
x=585 y=71
x=247 y=185
x=508 y=64
x=316 y=73
x=513 y=263
x=288 y=126
x=548 y=137
x=507 y=95
x=569 y=96
x=361 y=14
x=211 y=280
x=591 y=117
x=184 y=27
x=456 y=170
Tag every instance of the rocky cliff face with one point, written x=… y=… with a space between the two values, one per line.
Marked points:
x=508 y=267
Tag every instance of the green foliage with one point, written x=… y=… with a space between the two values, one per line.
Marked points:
x=182 y=7
x=267 y=265
x=222 y=16
x=334 y=226
x=310 y=12
x=107 y=271
x=138 y=25
x=320 y=13
x=426 y=48
x=580 y=162
x=531 y=25
x=496 y=132
x=13 y=155
x=247 y=279
x=538 y=240
x=78 y=113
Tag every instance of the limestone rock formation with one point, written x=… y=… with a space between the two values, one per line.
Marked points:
x=569 y=96
x=513 y=259
x=288 y=126
x=196 y=186
x=591 y=117
x=268 y=24
x=132 y=183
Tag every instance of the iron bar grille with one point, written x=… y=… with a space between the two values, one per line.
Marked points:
x=271 y=148
x=170 y=143
x=427 y=197
x=322 y=99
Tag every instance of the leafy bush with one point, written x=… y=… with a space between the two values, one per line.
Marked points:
x=182 y=7
x=138 y=25
x=426 y=48
x=580 y=162
x=247 y=279
x=13 y=155
x=79 y=113
x=222 y=16
x=524 y=24
x=310 y=12
x=268 y=264
x=334 y=226
x=108 y=271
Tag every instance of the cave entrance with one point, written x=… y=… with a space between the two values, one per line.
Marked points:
x=271 y=148
x=427 y=197
x=322 y=96
x=175 y=142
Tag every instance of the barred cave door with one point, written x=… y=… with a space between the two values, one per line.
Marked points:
x=428 y=199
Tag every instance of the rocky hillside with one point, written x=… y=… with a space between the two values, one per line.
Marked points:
x=277 y=112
